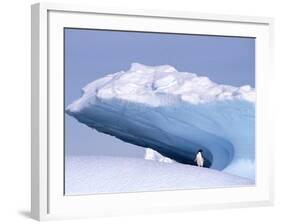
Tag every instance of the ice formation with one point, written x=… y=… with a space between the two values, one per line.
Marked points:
x=151 y=154
x=174 y=113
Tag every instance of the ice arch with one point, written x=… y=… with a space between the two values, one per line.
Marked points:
x=175 y=113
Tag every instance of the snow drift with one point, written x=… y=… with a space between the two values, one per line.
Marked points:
x=150 y=154
x=101 y=174
x=174 y=113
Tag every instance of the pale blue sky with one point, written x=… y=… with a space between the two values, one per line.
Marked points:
x=91 y=54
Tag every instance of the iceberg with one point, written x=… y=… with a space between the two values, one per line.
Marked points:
x=174 y=113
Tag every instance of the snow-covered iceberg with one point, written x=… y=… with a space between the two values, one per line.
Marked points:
x=174 y=113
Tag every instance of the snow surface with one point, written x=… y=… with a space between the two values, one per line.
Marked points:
x=174 y=113
x=151 y=154
x=97 y=174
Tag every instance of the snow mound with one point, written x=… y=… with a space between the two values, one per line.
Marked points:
x=94 y=174
x=174 y=113
x=151 y=154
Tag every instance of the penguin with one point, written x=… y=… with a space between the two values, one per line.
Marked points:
x=199 y=159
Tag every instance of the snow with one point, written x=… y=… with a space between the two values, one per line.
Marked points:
x=247 y=165
x=174 y=113
x=141 y=83
x=151 y=154
x=98 y=174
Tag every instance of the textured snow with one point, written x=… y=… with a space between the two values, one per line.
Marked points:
x=145 y=84
x=97 y=174
x=151 y=154
x=174 y=113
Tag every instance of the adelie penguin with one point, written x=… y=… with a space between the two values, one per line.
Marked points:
x=199 y=159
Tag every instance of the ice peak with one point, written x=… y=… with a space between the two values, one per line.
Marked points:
x=141 y=68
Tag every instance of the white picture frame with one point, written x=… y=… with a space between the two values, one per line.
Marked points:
x=47 y=197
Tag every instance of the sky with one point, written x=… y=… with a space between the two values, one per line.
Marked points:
x=91 y=54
